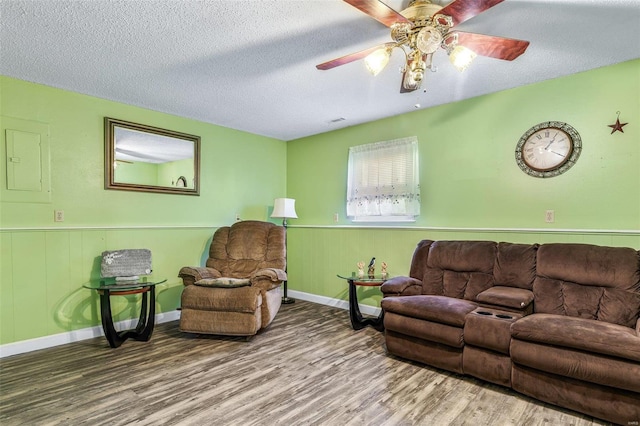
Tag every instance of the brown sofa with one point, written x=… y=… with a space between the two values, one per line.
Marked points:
x=557 y=322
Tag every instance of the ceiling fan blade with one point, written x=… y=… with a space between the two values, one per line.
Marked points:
x=506 y=49
x=351 y=57
x=378 y=11
x=461 y=10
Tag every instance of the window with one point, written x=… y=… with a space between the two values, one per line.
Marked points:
x=384 y=181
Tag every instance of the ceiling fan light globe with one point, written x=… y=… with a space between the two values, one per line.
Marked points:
x=377 y=60
x=461 y=57
x=428 y=40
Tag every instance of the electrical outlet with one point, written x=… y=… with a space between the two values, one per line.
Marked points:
x=58 y=215
x=336 y=217
x=550 y=216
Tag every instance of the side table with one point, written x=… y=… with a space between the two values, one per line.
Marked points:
x=357 y=320
x=107 y=287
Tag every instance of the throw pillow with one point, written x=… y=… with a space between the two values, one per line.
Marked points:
x=223 y=282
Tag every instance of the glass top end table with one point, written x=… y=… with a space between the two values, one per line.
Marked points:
x=113 y=284
x=366 y=280
x=354 y=280
x=107 y=287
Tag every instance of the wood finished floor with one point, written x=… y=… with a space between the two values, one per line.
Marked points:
x=308 y=368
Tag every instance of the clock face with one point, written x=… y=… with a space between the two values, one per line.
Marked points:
x=548 y=149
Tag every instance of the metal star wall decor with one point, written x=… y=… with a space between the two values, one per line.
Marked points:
x=617 y=126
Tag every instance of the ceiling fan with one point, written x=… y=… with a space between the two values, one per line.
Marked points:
x=422 y=28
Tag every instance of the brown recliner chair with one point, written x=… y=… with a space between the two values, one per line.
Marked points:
x=238 y=292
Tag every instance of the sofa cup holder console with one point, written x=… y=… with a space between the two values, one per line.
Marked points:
x=493 y=314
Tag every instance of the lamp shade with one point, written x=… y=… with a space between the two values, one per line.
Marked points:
x=284 y=208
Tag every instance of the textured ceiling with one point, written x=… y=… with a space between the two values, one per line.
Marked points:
x=250 y=65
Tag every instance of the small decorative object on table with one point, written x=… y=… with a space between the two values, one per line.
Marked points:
x=372 y=267
x=383 y=270
x=126 y=264
x=360 y=269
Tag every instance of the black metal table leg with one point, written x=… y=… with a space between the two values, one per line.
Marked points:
x=147 y=318
x=146 y=321
x=357 y=321
x=107 y=320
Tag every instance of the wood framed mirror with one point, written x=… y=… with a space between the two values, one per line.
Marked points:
x=149 y=159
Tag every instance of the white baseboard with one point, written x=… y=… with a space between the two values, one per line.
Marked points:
x=38 y=343
x=75 y=336
x=336 y=303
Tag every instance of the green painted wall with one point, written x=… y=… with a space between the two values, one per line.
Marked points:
x=470 y=180
x=44 y=263
x=240 y=172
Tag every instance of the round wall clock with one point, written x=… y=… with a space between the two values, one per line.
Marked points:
x=548 y=149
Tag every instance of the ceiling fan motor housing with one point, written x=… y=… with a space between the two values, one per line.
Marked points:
x=426 y=30
x=420 y=12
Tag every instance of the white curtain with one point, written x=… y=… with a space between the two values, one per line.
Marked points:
x=384 y=179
